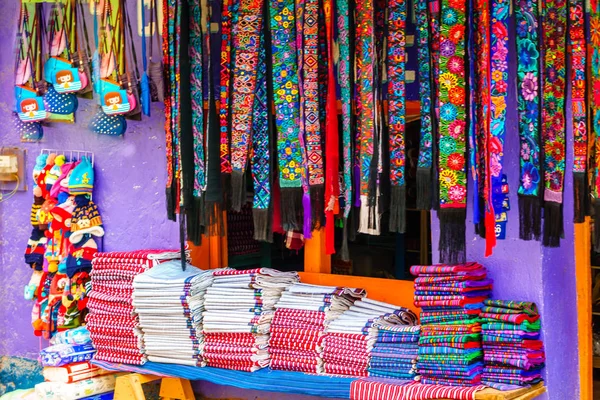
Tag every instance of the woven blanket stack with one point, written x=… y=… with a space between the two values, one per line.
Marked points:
x=111 y=320
x=451 y=298
x=513 y=353
x=240 y=306
x=303 y=313
x=348 y=340
x=169 y=303
x=394 y=354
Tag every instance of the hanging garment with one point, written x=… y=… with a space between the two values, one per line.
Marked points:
x=595 y=109
x=227 y=11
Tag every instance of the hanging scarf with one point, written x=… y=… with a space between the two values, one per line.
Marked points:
x=578 y=104
x=553 y=119
x=247 y=43
x=225 y=74
x=595 y=109
x=168 y=55
x=332 y=182
x=286 y=99
x=312 y=122
x=474 y=69
x=434 y=30
x=452 y=144
x=396 y=42
x=261 y=154
x=424 y=166
x=528 y=100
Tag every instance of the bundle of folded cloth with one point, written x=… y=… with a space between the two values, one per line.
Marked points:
x=303 y=313
x=239 y=307
x=513 y=354
x=394 y=354
x=169 y=303
x=111 y=319
x=348 y=340
x=451 y=297
x=101 y=385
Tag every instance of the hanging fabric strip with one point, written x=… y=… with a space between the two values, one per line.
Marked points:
x=595 y=109
x=578 y=104
x=286 y=99
x=332 y=181
x=365 y=63
x=196 y=79
x=261 y=154
x=177 y=105
x=499 y=92
x=425 y=162
x=312 y=123
x=528 y=100
x=396 y=55
x=225 y=74
x=167 y=57
x=553 y=118
x=452 y=145
x=474 y=96
x=246 y=42
x=434 y=31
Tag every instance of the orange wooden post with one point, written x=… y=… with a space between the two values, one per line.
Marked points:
x=315 y=259
x=212 y=252
x=583 y=282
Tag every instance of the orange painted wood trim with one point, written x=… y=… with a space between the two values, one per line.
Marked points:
x=583 y=282
x=212 y=252
x=393 y=291
x=315 y=258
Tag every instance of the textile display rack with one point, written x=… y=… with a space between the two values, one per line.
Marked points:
x=70 y=154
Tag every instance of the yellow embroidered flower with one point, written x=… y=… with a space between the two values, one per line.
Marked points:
x=448 y=178
x=292 y=176
x=499 y=104
x=288 y=85
x=283 y=73
x=497 y=76
x=285 y=11
x=286 y=170
x=288 y=151
x=286 y=25
x=448 y=80
x=292 y=164
x=288 y=98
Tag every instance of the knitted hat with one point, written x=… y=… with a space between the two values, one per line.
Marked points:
x=40 y=163
x=81 y=180
x=52 y=254
x=80 y=258
x=62 y=183
x=44 y=216
x=62 y=213
x=36 y=247
x=55 y=171
x=86 y=219
x=35 y=208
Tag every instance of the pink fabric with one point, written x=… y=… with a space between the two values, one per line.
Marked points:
x=370 y=389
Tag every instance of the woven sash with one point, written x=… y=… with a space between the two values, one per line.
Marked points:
x=225 y=76
x=452 y=145
x=595 y=109
x=553 y=118
x=528 y=99
x=396 y=56
x=197 y=96
x=168 y=54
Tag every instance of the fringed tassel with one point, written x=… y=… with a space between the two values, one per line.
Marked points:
x=214 y=218
x=580 y=196
x=170 y=193
x=262 y=225
x=317 y=202
x=195 y=221
x=238 y=190
x=307 y=214
x=344 y=251
x=369 y=218
x=291 y=204
x=596 y=226
x=452 y=243
x=424 y=195
x=530 y=218
x=398 y=209
x=226 y=190
x=553 y=224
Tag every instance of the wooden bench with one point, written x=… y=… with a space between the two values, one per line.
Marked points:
x=129 y=387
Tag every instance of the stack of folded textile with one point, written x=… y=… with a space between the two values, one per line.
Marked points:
x=451 y=297
x=169 y=303
x=513 y=353
x=303 y=313
x=394 y=354
x=111 y=321
x=240 y=306
x=348 y=340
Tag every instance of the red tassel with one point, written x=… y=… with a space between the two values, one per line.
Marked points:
x=277 y=227
x=490 y=232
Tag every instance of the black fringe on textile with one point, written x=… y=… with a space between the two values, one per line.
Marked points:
x=170 y=193
x=424 y=192
x=596 y=207
x=398 y=209
x=182 y=241
x=291 y=207
x=213 y=218
x=580 y=196
x=195 y=221
x=553 y=224
x=317 y=204
x=452 y=243
x=262 y=225
x=480 y=226
x=353 y=221
x=226 y=189
x=530 y=218
x=344 y=251
x=238 y=190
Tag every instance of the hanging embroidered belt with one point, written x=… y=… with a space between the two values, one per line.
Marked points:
x=595 y=109
x=197 y=96
x=553 y=118
x=168 y=49
x=528 y=100
x=225 y=77
x=396 y=56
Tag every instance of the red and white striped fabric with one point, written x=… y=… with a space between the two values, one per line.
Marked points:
x=112 y=324
x=371 y=389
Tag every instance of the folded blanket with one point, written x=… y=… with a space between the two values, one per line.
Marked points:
x=77 y=390
x=72 y=372
x=63 y=354
x=526 y=307
x=512 y=318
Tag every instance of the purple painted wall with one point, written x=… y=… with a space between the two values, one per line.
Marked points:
x=130 y=181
